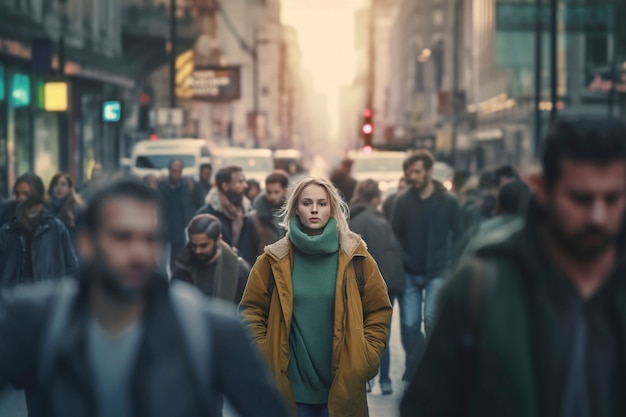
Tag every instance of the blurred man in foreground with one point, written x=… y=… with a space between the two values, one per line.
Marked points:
x=122 y=342
x=535 y=324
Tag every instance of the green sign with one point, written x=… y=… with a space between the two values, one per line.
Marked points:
x=515 y=16
x=111 y=111
x=20 y=90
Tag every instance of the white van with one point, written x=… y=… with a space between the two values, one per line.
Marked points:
x=256 y=163
x=154 y=156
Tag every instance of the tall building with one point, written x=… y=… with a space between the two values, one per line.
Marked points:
x=35 y=36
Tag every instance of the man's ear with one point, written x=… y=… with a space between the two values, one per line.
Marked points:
x=85 y=245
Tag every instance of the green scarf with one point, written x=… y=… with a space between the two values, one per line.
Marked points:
x=323 y=244
x=314 y=279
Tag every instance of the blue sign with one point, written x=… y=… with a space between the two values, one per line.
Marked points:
x=111 y=111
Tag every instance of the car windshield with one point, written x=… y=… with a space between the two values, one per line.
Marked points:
x=382 y=164
x=249 y=163
x=442 y=172
x=162 y=161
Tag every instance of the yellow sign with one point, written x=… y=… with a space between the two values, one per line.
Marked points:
x=55 y=95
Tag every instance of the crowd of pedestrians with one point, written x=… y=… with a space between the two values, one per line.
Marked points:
x=278 y=297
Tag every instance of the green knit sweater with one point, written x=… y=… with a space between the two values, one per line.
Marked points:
x=313 y=277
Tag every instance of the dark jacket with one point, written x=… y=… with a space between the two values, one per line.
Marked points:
x=495 y=349
x=265 y=223
x=444 y=228
x=180 y=204
x=246 y=246
x=388 y=205
x=381 y=244
x=54 y=371
x=231 y=274
x=52 y=252
x=8 y=212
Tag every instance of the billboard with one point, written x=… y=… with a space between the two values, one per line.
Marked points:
x=216 y=84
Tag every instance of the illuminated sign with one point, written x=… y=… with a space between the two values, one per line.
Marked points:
x=111 y=111
x=55 y=96
x=603 y=85
x=20 y=90
x=215 y=84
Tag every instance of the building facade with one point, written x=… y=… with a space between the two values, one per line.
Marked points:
x=34 y=36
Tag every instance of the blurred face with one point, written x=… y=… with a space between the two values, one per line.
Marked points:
x=176 y=172
x=204 y=248
x=418 y=176
x=275 y=194
x=236 y=188
x=22 y=191
x=252 y=192
x=313 y=209
x=125 y=250
x=61 y=189
x=402 y=185
x=205 y=174
x=586 y=207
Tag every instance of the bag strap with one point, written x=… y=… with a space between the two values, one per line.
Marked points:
x=357 y=262
x=196 y=332
x=63 y=300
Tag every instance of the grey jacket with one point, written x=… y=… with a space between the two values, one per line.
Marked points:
x=381 y=244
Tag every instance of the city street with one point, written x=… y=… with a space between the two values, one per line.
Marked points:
x=12 y=404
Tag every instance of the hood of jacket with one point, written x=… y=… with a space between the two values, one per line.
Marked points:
x=213 y=200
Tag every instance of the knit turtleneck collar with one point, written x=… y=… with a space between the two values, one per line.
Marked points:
x=325 y=243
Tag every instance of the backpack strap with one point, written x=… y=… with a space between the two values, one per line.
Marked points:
x=64 y=298
x=357 y=262
x=190 y=311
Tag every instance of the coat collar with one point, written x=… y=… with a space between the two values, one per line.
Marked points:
x=350 y=243
x=213 y=201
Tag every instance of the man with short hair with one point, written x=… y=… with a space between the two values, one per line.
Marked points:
x=208 y=263
x=427 y=222
x=121 y=341
x=265 y=217
x=227 y=202
x=535 y=323
x=180 y=204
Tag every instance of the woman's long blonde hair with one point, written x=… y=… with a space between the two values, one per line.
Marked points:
x=338 y=208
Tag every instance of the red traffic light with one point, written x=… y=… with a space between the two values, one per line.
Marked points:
x=368 y=112
x=368 y=129
x=154 y=136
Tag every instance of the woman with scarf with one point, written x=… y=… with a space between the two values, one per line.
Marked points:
x=317 y=307
x=64 y=202
x=34 y=245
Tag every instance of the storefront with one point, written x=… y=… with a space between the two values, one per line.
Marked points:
x=44 y=142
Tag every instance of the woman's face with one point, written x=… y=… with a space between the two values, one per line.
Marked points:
x=22 y=192
x=61 y=189
x=313 y=208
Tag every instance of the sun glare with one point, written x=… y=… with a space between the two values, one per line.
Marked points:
x=326 y=35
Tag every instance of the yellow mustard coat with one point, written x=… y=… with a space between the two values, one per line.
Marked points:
x=361 y=326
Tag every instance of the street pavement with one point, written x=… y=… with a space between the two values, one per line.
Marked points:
x=12 y=403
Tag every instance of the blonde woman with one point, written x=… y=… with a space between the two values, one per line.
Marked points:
x=317 y=307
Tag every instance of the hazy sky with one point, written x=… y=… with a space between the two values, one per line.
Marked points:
x=326 y=34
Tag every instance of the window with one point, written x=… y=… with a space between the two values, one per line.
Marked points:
x=162 y=161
